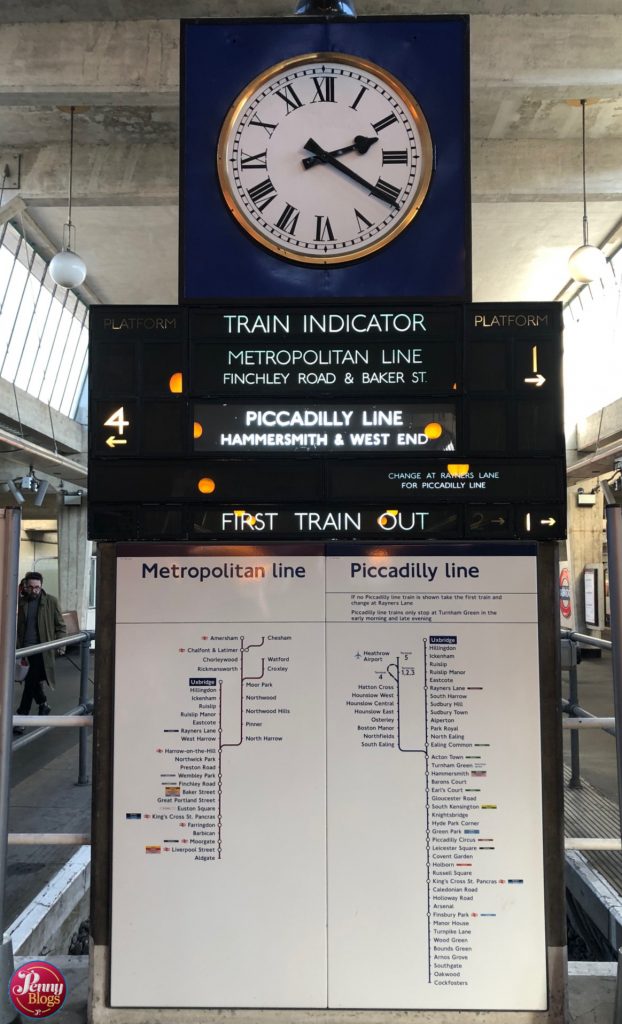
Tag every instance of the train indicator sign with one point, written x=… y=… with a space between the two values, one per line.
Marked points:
x=221 y=420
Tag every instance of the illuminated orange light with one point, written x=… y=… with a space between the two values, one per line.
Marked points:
x=176 y=383
x=206 y=485
x=197 y=430
x=242 y=514
x=458 y=468
x=382 y=519
x=433 y=430
x=454 y=387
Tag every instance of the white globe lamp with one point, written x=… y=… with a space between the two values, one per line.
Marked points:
x=588 y=262
x=67 y=269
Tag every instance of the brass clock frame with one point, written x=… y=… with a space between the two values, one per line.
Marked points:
x=361 y=64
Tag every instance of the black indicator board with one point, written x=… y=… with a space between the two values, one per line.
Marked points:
x=325 y=421
x=323 y=428
x=427 y=369
x=353 y=352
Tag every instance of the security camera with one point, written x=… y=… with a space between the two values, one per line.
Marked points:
x=42 y=488
x=72 y=499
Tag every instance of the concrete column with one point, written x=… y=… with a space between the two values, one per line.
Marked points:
x=585 y=543
x=74 y=560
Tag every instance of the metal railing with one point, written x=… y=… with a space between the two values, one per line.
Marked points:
x=79 y=717
x=581 y=719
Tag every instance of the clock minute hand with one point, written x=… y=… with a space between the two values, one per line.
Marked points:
x=313 y=147
x=361 y=144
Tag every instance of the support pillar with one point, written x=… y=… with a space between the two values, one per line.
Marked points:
x=9 y=557
x=74 y=561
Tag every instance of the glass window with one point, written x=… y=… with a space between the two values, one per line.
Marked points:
x=56 y=355
x=593 y=346
x=43 y=328
x=75 y=374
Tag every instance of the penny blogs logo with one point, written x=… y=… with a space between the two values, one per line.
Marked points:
x=37 y=989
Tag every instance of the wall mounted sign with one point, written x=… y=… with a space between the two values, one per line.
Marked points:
x=325 y=157
x=335 y=421
x=326 y=775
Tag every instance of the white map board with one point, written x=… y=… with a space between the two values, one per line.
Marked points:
x=326 y=792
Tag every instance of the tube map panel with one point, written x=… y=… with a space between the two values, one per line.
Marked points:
x=318 y=782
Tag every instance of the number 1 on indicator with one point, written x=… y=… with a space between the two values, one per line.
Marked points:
x=117 y=420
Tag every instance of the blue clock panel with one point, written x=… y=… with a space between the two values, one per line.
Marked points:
x=429 y=258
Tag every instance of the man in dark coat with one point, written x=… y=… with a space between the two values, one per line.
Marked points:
x=39 y=619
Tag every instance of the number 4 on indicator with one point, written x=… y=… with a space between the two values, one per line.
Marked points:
x=117 y=420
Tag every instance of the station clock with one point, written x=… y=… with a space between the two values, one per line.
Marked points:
x=324 y=158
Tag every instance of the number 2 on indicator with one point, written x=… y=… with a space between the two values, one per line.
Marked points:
x=117 y=421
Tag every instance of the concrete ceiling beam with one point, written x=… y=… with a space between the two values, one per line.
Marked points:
x=502 y=171
x=109 y=10
x=23 y=413
x=134 y=62
x=560 y=51
x=102 y=175
x=544 y=171
x=122 y=61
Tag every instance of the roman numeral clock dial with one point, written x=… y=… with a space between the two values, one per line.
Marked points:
x=324 y=158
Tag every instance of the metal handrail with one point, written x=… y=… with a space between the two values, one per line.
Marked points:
x=590 y=722
x=83 y=638
x=579 y=717
x=582 y=719
x=589 y=843
x=589 y=641
x=50 y=645
x=49 y=839
x=70 y=720
x=79 y=717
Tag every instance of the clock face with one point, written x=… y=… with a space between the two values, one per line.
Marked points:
x=324 y=158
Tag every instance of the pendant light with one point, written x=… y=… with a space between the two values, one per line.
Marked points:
x=67 y=269
x=588 y=262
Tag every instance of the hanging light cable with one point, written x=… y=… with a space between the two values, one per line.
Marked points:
x=588 y=261
x=67 y=269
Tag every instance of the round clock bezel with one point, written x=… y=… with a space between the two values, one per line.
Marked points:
x=408 y=102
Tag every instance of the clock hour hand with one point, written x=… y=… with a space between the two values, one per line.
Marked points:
x=361 y=144
x=326 y=158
